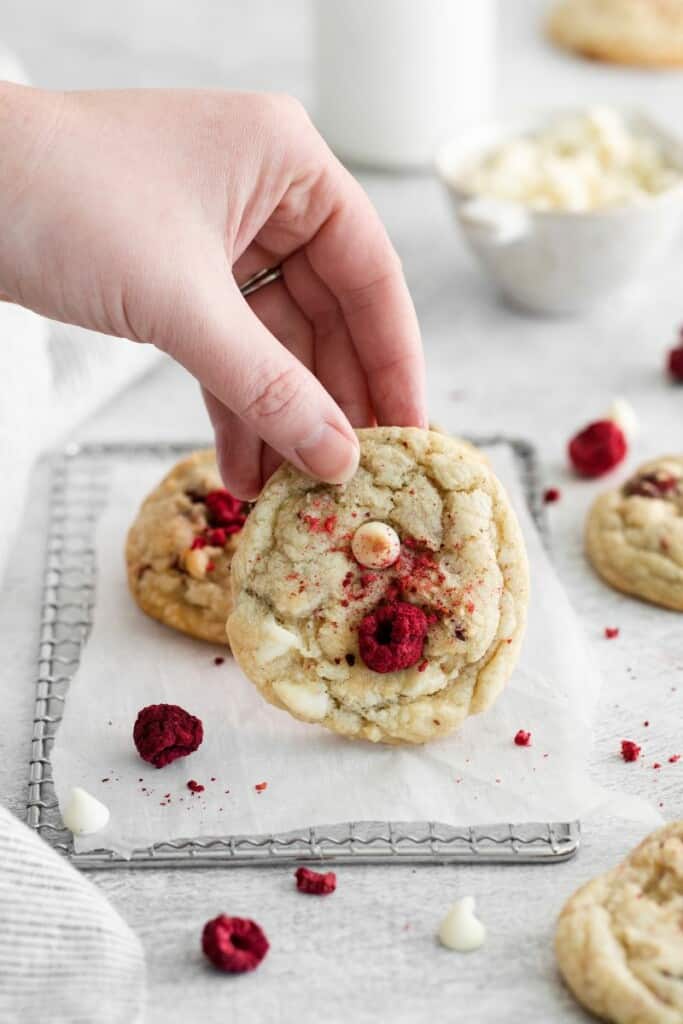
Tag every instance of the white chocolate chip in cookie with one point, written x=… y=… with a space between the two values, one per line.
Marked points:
x=460 y=929
x=274 y=641
x=310 y=702
x=196 y=561
x=375 y=545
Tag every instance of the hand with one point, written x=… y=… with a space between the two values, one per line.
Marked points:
x=139 y=213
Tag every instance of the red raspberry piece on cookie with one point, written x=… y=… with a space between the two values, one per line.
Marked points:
x=225 y=511
x=164 y=732
x=392 y=637
x=598 y=448
x=234 y=944
x=675 y=362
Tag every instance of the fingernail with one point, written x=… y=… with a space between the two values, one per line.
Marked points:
x=329 y=455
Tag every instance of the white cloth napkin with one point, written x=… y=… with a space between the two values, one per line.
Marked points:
x=66 y=957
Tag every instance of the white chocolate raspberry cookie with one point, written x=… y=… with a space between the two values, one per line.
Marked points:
x=619 y=942
x=634 y=535
x=180 y=548
x=336 y=626
x=647 y=32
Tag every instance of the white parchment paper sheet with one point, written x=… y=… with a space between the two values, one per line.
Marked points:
x=476 y=776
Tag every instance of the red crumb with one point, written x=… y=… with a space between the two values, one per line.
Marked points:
x=422 y=666
x=523 y=738
x=218 y=660
x=611 y=632
x=217 y=538
x=194 y=786
x=198 y=542
x=551 y=495
x=674 y=759
x=225 y=511
x=210 y=566
x=630 y=751
x=260 y=786
x=392 y=637
x=329 y=524
x=469 y=607
x=234 y=944
x=646 y=723
x=598 y=448
x=656 y=765
x=105 y=780
x=164 y=732
x=314 y=882
x=675 y=362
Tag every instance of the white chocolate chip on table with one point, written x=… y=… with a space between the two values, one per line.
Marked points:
x=84 y=813
x=375 y=545
x=624 y=415
x=461 y=930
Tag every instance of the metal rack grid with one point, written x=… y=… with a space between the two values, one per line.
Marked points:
x=79 y=492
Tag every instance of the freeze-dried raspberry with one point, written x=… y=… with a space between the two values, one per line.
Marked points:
x=225 y=511
x=315 y=882
x=630 y=751
x=651 y=485
x=598 y=448
x=234 y=944
x=216 y=538
x=194 y=786
x=198 y=542
x=393 y=636
x=523 y=738
x=551 y=495
x=164 y=732
x=611 y=632
x=675 y=362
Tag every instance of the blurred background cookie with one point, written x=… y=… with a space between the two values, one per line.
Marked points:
x=180 y=547
x=641 y=32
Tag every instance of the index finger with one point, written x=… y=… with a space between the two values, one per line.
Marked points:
x=352 y=254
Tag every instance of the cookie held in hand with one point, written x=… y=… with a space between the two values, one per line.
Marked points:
x=180 y=547
x=392 y=649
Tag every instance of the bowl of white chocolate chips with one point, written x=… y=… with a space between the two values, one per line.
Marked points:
x=566 y=211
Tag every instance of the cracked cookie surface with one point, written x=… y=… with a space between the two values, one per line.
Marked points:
x=634 y=535
x=619 y=942
x=301 y=599
x=180 y=547
x=623 y=31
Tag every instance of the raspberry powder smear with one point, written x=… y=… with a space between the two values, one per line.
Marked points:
x=164 y=732
x=234 y=944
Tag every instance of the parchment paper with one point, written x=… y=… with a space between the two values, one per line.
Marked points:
x=476 y=776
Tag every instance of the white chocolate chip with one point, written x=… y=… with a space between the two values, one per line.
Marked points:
x=310 y=701
x=84 y=814
x=375 y=545
x=623 y=414
x=274 y=640
x=460 y=929
x=196 y=560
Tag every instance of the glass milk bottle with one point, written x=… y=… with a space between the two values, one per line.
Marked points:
x=395 y=78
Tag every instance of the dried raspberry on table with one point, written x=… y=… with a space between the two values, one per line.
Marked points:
x=225 y=511
x=234 y=944
x=392 y=637
x=675 y=362
x=164 y=732
x=630 y=751
x=522 y=738
x=315 y=882
x=598 y=448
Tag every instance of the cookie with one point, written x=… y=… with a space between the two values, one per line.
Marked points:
x=619 y=942
x=180 y=547
x=641 y=32
x=336 y=629
x=634 y=535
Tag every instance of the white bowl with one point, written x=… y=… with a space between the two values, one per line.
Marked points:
x=560 y=261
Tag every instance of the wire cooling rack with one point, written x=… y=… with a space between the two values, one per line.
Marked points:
x=79 y=492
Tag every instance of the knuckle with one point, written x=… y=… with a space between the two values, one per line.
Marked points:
x=276 y=396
